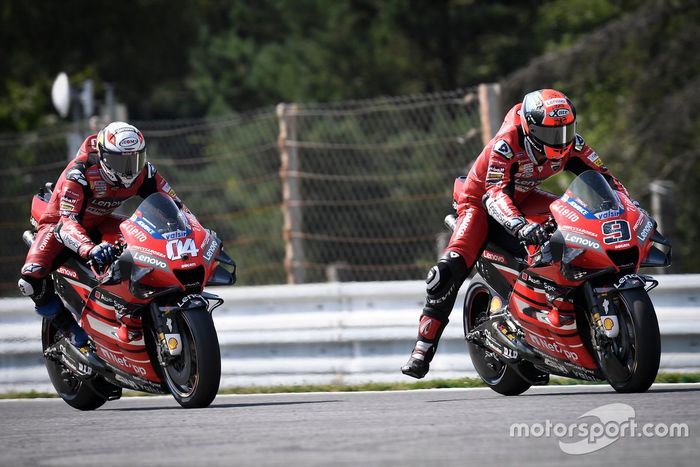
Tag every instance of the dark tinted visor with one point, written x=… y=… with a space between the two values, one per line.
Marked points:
x=125 y=163
x=555 y=136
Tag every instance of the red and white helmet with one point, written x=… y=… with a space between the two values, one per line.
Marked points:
x=549 y=122
x=122 y=152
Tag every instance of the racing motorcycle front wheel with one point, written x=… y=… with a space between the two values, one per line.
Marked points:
x=637 y=347
x=495 y=373
x=193 y=377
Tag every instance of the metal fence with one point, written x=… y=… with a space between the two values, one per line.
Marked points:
x=344 y=333
x=367 y=184
x=300 y=193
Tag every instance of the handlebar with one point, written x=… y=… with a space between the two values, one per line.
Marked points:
x=550 y=225
x=119 y=248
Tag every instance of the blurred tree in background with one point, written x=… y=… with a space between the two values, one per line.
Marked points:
x=140 y=47
x=314 y=50
x=188 y=59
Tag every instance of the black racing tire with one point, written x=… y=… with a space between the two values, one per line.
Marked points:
x=193 y=377
x=75 y=392
x=639 y=332
x=496 y=374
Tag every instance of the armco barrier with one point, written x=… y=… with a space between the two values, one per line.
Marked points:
x=336 y=333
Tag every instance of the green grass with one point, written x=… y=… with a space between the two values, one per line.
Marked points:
x=27 y=395
x=429 y=384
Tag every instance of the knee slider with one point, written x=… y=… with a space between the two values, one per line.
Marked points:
x=444 y=280
x=450 y=268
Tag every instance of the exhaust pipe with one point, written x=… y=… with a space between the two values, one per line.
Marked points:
x=28 y=237
x=451 y=221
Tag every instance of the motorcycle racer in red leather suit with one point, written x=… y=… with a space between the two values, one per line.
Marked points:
x=110 y=168
x=537 y=139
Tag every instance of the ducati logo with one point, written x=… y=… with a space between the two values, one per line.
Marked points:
x=181 y=249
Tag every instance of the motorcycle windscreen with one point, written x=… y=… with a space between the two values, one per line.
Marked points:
x=161 y=217
x=591 y=191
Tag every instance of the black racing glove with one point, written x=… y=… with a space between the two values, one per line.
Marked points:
x=533 y=234
x=102 y=256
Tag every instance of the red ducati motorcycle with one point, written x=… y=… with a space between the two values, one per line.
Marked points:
x=574 y=307
x=147 y=316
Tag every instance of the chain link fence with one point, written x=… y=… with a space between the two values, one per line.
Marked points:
x=369 y=182
x=301 y=193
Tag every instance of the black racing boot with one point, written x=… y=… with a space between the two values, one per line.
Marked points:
x=77 y=337
x=429 y=332
x=65 y=322
x=442 y=284
x=416 y=366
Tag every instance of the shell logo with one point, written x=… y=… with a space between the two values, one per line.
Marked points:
x=173 y=343
x=496 y=304
x=608 y=324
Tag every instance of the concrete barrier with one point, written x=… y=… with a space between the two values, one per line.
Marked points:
x=336 y=333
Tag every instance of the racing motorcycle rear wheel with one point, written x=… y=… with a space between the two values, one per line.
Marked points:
x=75 y=392
x=193 y=377
x=494 y=372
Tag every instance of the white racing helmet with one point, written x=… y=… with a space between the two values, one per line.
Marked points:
x=122 y=152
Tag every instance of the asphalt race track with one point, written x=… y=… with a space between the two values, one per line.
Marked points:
x=427 y=427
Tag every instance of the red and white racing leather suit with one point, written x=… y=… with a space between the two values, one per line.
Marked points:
x=81 y=204
x=502 y=183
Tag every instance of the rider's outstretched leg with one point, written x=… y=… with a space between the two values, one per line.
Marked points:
x=443 y=283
